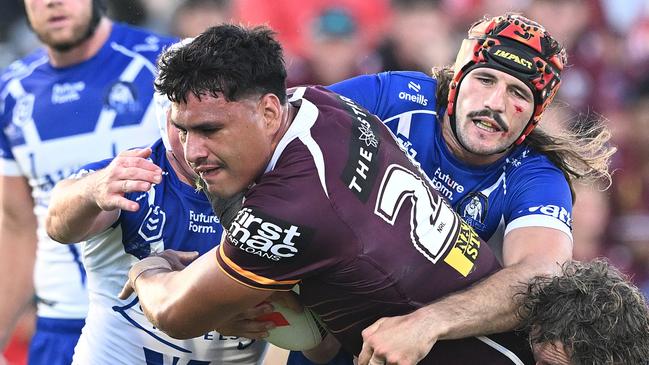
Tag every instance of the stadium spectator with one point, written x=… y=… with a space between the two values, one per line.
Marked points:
x=192 y=17
x=628 y=229
x=84 y=96
x=596 y=78
x=590 y=221
x=420 y=35
x=336 y=51
x=290 y=19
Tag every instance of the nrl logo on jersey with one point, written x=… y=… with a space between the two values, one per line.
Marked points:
x=517 y=161
x=151 y=227
x=268 y=237
x=67 y=92
x=23 y=110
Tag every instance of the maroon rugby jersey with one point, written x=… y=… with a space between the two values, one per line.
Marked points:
x=343 y=212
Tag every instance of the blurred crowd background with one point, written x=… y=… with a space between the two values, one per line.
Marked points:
x=325 y=41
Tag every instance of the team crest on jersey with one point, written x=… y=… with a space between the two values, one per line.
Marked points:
x=473 y=209
x=122 y=97
x=152 y=225
x=268 y=237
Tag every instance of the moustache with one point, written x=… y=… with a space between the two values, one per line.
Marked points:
x=490 y=114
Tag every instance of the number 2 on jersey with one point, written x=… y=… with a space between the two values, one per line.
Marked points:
x=433 y=224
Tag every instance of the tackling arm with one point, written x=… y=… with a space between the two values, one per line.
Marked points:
x=528 y=252
x=73 y=214
x=193 y=301
x=17 y=251
x=81 y=208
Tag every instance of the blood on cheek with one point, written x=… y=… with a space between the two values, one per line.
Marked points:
x=518 y=109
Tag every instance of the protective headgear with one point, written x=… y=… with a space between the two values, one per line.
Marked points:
x=162 y=102
x=515 y=45
x=162 y=106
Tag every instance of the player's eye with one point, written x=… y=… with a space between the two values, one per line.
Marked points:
x=520 y=94
x=485 y=80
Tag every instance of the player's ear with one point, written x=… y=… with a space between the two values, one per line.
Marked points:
x=272 y=111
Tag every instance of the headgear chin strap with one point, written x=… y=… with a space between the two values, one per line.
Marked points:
x=515 y=45
x=162 y=106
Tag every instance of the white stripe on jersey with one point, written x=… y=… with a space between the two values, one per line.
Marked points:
x=10 y=168
x=23 y=72
x=405 y=119
x=105 y=120
x=500 y=348
x=301 y=128
x=538 y=220
x=145 y=62
x=30 y=133
x=318 y=158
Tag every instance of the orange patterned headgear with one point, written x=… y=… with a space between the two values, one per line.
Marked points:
x=518 y=46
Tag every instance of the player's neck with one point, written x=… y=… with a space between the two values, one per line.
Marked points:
x=85 y=50
x=288 y=114
x=181 y=169
x=460 y=152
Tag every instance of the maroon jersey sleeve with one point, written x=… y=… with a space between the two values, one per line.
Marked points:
x=285 y=229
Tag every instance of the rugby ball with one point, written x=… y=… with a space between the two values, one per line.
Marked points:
x=294 y=331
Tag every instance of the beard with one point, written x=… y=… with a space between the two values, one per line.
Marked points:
x=468 y=144
x=474 y=147
x=224 y=208
x=81 y=33
x=227 y=209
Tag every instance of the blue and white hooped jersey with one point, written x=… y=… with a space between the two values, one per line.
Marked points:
x=55 y=120
x=523 y=189
x=172 y=215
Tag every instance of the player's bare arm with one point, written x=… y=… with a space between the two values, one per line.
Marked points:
x=18 y=245
x=488 y=307
x=192 y=301
x=83 y=207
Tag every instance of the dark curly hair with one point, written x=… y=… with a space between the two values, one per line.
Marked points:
x=234 y=60
x=599 y=316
